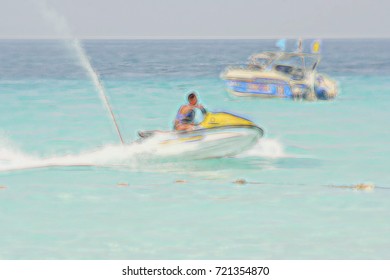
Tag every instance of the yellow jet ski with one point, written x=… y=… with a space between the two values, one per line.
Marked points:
x=218 y=135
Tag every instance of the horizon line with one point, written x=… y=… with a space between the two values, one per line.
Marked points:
x=192 y=38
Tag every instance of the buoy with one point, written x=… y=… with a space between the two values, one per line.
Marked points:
x=365 y=187
x=240 y=182
x=180 y=181
x=359 y=187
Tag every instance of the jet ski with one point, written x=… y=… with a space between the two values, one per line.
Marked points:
x=219 y=134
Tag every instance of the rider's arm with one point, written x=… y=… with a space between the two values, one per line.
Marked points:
x=200 y=107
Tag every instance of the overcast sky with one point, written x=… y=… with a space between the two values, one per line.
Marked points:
x=198 y=18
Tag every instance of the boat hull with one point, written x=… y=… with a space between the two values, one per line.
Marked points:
x=259 y=88
x=280 y=90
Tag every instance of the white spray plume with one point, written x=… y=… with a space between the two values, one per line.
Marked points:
x=266 y=148
x=62 y=28
x=57 y=21
x=135 y=155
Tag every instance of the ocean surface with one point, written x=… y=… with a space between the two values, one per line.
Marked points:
x=69 y=190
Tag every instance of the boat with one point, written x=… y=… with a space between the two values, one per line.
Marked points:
x=219 y=134
x=280 y=74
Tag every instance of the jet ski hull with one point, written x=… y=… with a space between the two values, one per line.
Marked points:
x=201 y=143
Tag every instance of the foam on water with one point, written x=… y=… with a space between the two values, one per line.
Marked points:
x=267 y=148
x=131 y=155
x=12 y=158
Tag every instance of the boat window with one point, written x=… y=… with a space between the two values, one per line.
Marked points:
x=295 y=73
x=284 y=69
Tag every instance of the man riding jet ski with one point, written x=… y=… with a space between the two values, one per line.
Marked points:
x=186 y=114
x=219 y=134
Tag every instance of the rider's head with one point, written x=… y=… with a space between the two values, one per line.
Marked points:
x=192 y=98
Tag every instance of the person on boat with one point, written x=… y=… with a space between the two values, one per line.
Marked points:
x=185 y=116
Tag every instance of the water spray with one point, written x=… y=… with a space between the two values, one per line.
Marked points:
x=62 y=27
x=96 y=81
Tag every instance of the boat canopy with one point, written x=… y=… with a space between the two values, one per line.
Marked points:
x=262 y=60
x=283 y=61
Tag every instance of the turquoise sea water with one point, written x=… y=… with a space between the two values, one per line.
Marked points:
x=99 y=200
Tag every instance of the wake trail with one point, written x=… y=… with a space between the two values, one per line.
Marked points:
x=12 y=158
x=130 y=156
x=266 y=148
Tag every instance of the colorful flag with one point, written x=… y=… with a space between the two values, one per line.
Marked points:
x=316 y=46
x=281 y=44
